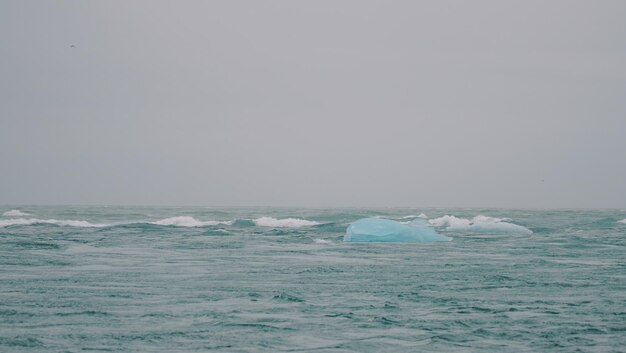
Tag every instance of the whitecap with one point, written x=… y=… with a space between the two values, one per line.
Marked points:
x=479 y=224
x=285 y=222
x=321 y=241
x=622 y=221
x=421 y=215
x=30 y=221
x=186 y=221
x=15 y=213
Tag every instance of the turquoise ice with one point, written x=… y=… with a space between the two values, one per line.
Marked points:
x=385 y=230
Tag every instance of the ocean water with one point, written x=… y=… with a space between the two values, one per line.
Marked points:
x=145 y=279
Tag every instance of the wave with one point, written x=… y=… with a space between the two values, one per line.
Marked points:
x=479 y=224
x=15 y=213
x=31 y=221
x=285 y=222
x=81 y=248
x=421 y=215
x=181 y=221
x=186 y=221
x=243 y=222
x=622 y=221
x=178 y=221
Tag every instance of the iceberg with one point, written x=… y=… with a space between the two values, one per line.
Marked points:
x=380 y=230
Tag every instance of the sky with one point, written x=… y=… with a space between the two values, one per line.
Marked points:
x=314 y=103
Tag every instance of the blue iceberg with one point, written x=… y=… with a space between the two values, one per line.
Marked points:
x=384 y=230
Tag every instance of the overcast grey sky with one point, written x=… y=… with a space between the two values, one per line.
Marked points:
x=313 y=103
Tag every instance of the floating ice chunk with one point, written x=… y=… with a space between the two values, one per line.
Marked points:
x=286 y=222
x=321 y=241
x=15 y=213
x=622 y=221
x=385 y=230
x=479 y=224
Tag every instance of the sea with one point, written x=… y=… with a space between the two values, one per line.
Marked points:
x=198 y=279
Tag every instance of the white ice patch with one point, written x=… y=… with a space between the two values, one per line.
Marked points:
x=15 y=213
x=30 y=221
x=479 y=224
x=186 y=221
x=285 y=222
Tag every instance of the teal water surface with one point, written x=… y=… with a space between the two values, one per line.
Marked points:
x=137 y=279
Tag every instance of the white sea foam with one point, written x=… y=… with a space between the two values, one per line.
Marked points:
x=15 y=213
x=421 y=215
x=479 y=224
x=285 y=222
x=622 y=221
x=321 y=241
x=30 y=221
x=186 y=221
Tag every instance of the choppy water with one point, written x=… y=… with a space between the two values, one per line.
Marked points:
x=136 y=279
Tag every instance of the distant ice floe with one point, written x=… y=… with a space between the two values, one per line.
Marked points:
x=285 y=222
x=30 y=221
x=187 y=221
x=479 y=224
x=15 y=213
x=622 y=221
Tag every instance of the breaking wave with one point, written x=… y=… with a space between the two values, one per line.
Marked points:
x=622 y=221
x=15 y=213
x=181 y=221
x=31 y=221
x=186 y=221
x=479 y=224
x=178 y=221
x=421 y=215
x=285 y=222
